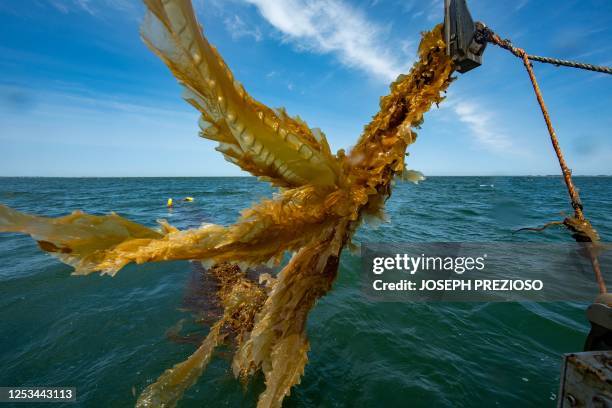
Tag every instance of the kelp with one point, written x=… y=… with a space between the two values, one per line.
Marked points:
x=322 y=200
x=241 y=299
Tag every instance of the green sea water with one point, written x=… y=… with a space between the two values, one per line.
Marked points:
x=108 y=336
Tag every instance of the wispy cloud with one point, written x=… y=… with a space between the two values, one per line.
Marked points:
x=520 y=4
x=482 y=125
x=60 y=6
x=93 y=8
x=66 y=6
x=334 y=27
x=239 y=29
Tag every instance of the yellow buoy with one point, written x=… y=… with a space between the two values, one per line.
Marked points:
x=189 y=199
x=169 y=204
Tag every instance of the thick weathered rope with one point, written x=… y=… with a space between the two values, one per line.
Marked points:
x=571 y=64
x=581 y=228
x=484 y=34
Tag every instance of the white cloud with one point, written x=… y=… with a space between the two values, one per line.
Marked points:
x=85 y=5
x=482 y=125
x=238 y=29
x=94 y=8
x=73 y=5
x=520 y=4
x=332 y=26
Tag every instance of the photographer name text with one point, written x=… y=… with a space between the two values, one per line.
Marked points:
x=457 y=265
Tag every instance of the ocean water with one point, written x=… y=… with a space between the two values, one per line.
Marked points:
x=108 y=336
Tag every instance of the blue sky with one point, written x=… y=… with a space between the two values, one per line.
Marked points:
x=80 y=94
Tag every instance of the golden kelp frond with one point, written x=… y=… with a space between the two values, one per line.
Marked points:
x=241 y=299
x=267 y=143
x=271 y=338
x=107 y=243
x=78 y=239
x=261 y=236
x=171 y=385
x=278 y=343
x=379 y=154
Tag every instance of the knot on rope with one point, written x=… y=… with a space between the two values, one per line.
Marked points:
x=581 y=229
x=489 y=36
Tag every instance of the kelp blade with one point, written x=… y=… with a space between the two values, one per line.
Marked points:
x=80 y=240
x=171 y=385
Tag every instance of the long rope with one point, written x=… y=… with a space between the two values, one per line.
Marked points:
x=484 y=34
x=571 y=64
x=579 y=225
